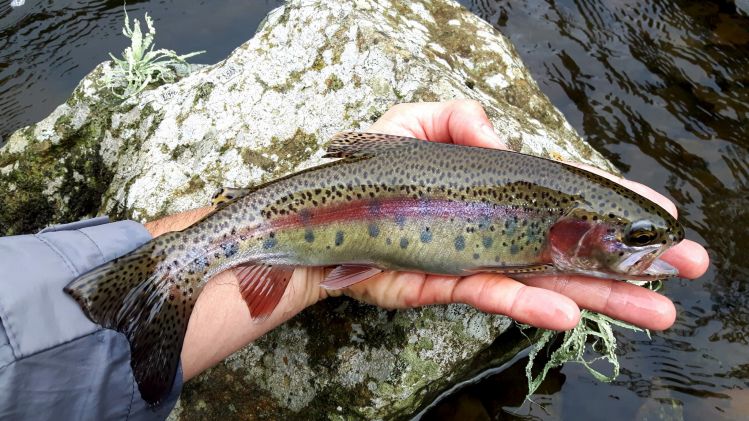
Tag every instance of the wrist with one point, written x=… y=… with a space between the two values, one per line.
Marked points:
x=176 y=222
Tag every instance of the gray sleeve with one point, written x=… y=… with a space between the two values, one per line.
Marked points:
x=54 y=362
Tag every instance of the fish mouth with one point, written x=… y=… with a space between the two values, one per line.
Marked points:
x=645 y=264
x=661 y=269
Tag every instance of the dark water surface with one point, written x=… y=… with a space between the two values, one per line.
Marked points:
x=47 y=47
x=661 y=88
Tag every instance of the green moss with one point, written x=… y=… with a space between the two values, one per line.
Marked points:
x=233 y=398
x=24 y=207
x=294 y=150
x=72 y=165
x=374 y=114
x=284 y=18
x=425 y=343
x=227 y=146
x=202 y=92
x=333 y=83
x=63 y=126
x=339 y=45
x=319 y=62
x=293 y=78
x=361 y=41
x=290 y=152
x=420 y=371
x=178 y=151
x=257 y=159
x=194 y=185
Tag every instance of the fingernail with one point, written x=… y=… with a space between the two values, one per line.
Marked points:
x=491 y=135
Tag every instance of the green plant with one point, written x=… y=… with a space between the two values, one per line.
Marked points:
x=140 y=64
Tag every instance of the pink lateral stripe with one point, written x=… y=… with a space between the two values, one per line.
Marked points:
x=364 y=209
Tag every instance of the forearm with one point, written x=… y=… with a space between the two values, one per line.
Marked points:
x=220 y=324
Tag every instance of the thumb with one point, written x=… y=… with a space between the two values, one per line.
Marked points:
x=459 y=121
x=463 y=122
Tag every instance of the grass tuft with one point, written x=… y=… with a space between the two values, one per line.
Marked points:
x=141 y=64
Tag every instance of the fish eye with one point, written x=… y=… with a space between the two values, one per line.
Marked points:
x=641 y=233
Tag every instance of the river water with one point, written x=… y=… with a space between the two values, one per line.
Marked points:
x=660 y=87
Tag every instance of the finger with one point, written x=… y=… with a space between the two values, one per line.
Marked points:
x=490 y=293
x=388 y=289
x=462 y=122
x=620 y=300
x=690 y=258
x=499 y=294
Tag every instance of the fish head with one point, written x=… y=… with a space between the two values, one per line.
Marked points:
x=611 y=246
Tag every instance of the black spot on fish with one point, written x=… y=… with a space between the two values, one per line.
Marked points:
x=388 y=241
x=426 y=236
x=309 y=236
x=270 y=243
x=339 y=238
x=476 y=256
x=514 y=249
x=404 y=242
x=460 y=243
x=230 y=249
x=487 y=241
x=374 y=230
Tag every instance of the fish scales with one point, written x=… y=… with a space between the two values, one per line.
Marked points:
x=388 y=203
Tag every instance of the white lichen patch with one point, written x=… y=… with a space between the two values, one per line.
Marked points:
x=497 y=81
x=291 y=381
x=373 y=365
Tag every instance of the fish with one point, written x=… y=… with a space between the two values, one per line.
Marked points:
x=386 y=203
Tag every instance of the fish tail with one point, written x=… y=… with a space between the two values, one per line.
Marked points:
x=150 y=305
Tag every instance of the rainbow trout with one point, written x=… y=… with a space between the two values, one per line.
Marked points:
x=388 y=203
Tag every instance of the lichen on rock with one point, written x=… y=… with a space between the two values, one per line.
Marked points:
x=314 y=68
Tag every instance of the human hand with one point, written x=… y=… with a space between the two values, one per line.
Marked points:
x=551 y=302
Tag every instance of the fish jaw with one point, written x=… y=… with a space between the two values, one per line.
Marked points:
x=661 y=269
x=645 y=263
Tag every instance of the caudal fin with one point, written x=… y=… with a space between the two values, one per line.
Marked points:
x=149 y=304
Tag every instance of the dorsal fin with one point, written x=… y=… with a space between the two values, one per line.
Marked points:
x=356 y=144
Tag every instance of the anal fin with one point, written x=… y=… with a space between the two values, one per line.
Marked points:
x=262 y=286
x=346 y=275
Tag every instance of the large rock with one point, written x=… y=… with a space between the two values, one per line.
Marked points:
x=314 y=68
